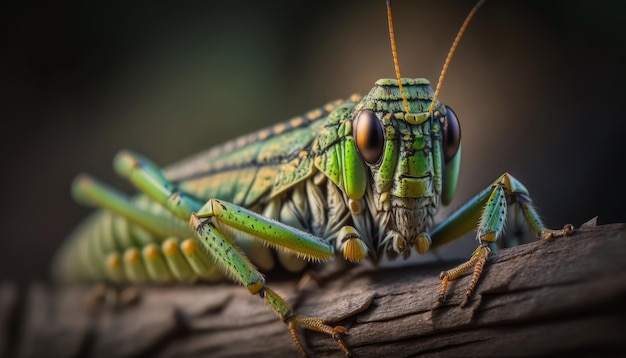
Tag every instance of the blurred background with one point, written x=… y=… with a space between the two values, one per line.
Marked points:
x=537 y=86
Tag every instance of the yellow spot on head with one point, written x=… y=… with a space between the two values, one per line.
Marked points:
x=387 y=118
x=416 y=118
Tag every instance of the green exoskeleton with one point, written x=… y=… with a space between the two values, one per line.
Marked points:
x=358 y=179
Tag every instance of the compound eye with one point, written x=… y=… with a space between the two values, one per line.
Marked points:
x=451 y=135
x=368 y=135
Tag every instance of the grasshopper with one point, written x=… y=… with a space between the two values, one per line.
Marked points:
x=356 y=179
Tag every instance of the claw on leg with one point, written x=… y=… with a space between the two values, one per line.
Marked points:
x=478 y=260
x=490 y=206
x=294 y=321
x=548 y=234
x=316 y=324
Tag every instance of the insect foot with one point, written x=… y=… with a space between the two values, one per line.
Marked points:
x=548 y=234
x=478 y=260
x=294 y=321
x=316 y=324
x=491 y=206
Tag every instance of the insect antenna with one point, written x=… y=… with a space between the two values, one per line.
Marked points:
x=395 y=56
x=451 y=52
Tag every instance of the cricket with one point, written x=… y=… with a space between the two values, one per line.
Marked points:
x=355 y=179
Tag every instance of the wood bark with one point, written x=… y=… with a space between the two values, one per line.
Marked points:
x=564 y=296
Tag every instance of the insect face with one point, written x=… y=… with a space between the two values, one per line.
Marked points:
x=406 y=154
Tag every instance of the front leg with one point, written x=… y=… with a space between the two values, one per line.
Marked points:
x=216 y=214
x=490 y=206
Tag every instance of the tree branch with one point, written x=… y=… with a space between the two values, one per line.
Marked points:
x=544 y=298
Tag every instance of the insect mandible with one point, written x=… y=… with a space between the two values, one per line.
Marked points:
x=355 y=179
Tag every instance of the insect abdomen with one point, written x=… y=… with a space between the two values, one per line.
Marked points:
x=107 y=247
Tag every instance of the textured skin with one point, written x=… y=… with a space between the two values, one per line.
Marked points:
x=306 y=173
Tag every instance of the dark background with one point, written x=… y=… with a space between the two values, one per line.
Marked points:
x=537 y=85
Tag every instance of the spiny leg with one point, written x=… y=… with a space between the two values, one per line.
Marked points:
x=491 y=207
x=219 y=213
x=161 y=253
x=294 y=321
x=155 y=253
x=148 y=178
x=350 y=244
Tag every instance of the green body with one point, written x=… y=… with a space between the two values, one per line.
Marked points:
x=352 y=180
x=304 y=173
x=355 y=179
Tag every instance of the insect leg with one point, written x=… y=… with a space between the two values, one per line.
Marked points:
x=216 y=214
x=90 y=191
x=270 y=231
x=219 y=215
x=490 y=206
x=146 y=257
x=149 y=178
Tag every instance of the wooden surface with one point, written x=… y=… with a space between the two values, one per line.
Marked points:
x=564 y=297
